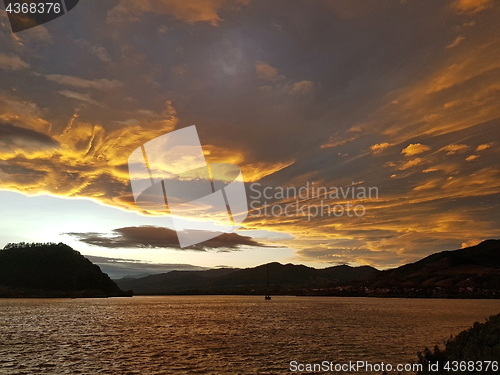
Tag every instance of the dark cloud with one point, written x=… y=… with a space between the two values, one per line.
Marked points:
x=12 y=136
x=159 y=237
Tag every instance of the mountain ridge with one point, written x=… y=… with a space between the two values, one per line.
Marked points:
x=472 y=272
x=43 y=270
x=455 y=271
x=253 y=280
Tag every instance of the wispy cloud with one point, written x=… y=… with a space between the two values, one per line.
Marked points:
x=455 y=148
x=80 y=97
x=97 y=84
x=379 y=147
x=12 y=62
x=456 y=42
x=411 y=163
x=98 y=51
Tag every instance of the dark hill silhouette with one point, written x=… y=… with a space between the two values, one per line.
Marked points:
x=283 y=279
x=465 y=270
x=293 y=276
x=171 y=282
x=51 y=270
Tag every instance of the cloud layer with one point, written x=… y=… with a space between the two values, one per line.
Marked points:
x=333 y=93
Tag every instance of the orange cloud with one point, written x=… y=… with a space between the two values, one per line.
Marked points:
x=471 y=6
x=302 y=88
x=414 y=149
x=379 y=147
x=265 y=71
x=411 y=163
x=427 y=185
x=89 y=161
x=251 y=171
x=458 y=93
x=428 y=170
x=454 y=148
x=86 y=160
x=484 y=146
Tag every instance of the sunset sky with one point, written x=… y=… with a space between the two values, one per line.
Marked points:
x=399 y=95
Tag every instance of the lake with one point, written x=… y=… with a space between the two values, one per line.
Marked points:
x=222 y=334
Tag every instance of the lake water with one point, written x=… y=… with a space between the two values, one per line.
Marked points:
x=221 y=334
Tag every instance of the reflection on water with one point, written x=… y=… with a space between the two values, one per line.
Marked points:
x=216 y=335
